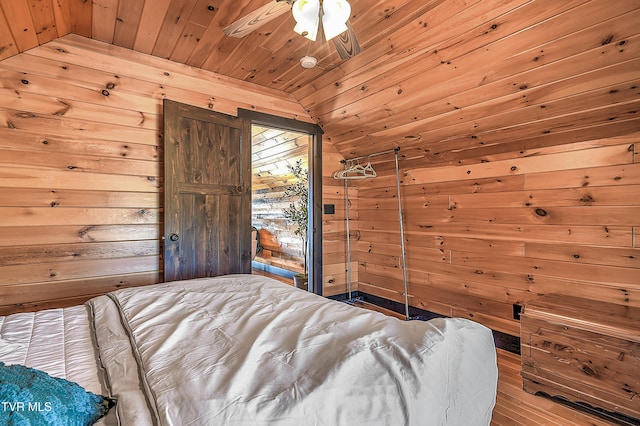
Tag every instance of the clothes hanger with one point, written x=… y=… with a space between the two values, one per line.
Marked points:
x=355 y=170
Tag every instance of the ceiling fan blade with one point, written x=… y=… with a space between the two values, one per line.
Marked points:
x=257 y=18
x=347 y=44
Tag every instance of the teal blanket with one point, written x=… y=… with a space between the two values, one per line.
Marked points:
x=30 y=397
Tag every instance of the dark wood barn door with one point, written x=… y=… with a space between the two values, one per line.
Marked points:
x=207 y=207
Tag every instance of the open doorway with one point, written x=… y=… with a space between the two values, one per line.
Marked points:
x=280 y=168
x=290 y=143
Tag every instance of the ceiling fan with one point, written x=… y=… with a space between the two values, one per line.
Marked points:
x=333 y=14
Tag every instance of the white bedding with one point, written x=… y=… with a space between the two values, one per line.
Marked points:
x=245 y=350
x=58 y=341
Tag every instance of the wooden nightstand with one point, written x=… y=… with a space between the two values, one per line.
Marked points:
x=585 y=351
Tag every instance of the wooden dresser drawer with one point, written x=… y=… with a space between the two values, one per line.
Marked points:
x=583 y=350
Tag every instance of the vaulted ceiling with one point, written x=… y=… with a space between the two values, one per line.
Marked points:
x=191 y=32
x=450 y=81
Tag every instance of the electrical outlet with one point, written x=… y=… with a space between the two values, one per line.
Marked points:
x=517 y=310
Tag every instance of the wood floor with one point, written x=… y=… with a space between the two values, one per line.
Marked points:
x=516 y=407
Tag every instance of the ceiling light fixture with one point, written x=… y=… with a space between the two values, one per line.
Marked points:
x=308 y=61
x=334 y=14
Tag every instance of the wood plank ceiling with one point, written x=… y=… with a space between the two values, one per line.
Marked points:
x=450 y=81
x=273 y=153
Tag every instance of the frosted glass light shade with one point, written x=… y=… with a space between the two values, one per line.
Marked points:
x=335 y=16
x=307 y=16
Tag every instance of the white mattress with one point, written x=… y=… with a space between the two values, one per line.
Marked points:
x=58 y=341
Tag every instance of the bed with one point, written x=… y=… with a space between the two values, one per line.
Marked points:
x=249 y=350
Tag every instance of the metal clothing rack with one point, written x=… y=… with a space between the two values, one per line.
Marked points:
x=354 y=169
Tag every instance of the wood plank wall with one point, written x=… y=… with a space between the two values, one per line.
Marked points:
x=480 y=238
x=81 y=164
x=518 y=126
x=334 y=255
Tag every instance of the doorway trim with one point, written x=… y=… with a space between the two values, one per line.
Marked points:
x=314 y=247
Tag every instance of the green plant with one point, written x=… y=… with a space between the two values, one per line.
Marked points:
x=298 y=211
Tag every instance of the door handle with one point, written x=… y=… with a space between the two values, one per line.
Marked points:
x=174 y=237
